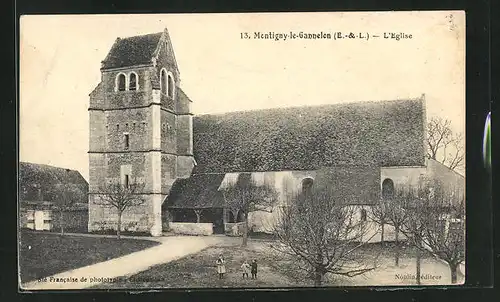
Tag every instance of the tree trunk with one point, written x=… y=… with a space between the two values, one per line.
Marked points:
x=396 y=241
x=198 y=215
x=119 y=226
x=318 y=278
x=382 y=233
x=61 y=222
x=453 y=269
x=235 y=216
x=418 y=262
x=245 y=230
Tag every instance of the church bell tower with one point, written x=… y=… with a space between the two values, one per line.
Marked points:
x=141 y=129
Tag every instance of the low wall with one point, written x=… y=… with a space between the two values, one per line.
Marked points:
x=234 y=229
x=191 y=228
x=74 y=220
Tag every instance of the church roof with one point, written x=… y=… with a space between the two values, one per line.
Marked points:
x=132 y=51
x=197 y=191
x=384 y=133
x=35 y=177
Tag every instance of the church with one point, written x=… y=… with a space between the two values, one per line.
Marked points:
x=142 y=128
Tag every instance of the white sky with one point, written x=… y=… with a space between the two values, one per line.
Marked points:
x=60 y=60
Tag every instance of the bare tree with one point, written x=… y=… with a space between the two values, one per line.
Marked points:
x=397 y=215
x=121 y=197
x=322 y=235
x=65 y=196
x=414 y=229
x=437 y=224
x=246 y=196
x=444 y=145
x=379 y=215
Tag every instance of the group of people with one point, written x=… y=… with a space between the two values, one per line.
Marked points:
x=245 y=268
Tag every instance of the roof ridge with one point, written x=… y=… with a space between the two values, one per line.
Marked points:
x=136 y=36
x=49 y=166
x=313 y=106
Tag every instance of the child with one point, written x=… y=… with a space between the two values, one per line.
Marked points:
x=254 y=269
x=245 y=268
x=221 y=268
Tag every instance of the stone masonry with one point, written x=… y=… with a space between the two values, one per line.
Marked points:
x=143 y=134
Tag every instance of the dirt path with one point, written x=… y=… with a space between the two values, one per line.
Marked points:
x=171 y=248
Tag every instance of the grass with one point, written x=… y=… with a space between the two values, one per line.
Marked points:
x=275 y=270
x=43 y=254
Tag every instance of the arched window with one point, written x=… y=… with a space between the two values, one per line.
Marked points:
x=132 y=83
x=307 y=187
x=307 y=184
x=163 y=81
x=387 y=188
x=170 y=86
x=121 y=82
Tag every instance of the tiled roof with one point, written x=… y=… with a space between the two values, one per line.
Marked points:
x=385 y=133
x=197 y=191
x=33 y=177
x=132 y=51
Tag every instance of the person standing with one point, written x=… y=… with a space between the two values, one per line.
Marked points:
x=245 y=267
x=254 y=269
x=221 y=266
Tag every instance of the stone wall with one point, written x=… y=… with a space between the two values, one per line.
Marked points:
x=135 y=122
x=413 y=176
x=185 y=165
x=184 y=135
x=134 y=219
x=75 y=220
x=233 y=228
x=168 y=132
x=134 y=98
x=168 y=171
x=97 y=130
x=402 y=176
x=191 y=228
x=450 y=179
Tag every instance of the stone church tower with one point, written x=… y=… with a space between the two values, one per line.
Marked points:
x=141 y=129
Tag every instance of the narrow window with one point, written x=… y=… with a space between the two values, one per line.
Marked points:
x=307 y=184
x=132 y=82
x=307 y=190
x=363 y=215
x=121 y=82
x=387 y=188
x=127 y=141
x=163 y=81
x=170 y=86
x=126 y=181
x=133 y=126
x=117 y=127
